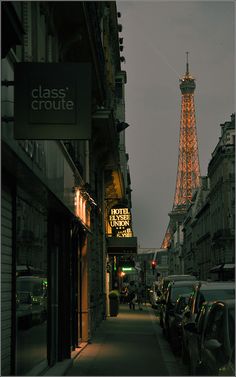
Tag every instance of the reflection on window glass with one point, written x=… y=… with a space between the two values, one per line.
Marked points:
x=231 y=319
x=31 y=286
x=215 y=294
x=176 y=291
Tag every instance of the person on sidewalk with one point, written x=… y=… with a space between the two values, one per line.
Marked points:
x=140 y=294
x=123 y=295
x=132 y=295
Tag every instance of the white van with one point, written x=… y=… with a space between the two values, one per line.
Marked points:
x=33 y=288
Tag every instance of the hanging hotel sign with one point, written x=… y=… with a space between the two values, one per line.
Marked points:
x=52 y=101
x=119 y=219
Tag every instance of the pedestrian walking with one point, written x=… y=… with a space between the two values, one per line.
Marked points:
x=132 y=297
x=140 y=294
x=123 y=295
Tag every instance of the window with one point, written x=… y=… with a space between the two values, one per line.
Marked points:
x=214 y=294
x=215 y=325
x=31 y=285
x=119 y=90
x=176 y=291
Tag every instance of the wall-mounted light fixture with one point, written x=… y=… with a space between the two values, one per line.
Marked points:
x=121 y=126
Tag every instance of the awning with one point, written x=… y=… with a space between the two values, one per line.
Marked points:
x=229 y=266
x=122 y=245
x=216 y=268
x=223 y=267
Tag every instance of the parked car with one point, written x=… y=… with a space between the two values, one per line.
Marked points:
x=163 y=288
x=229 y=368
x=203 y=291
x=175 y=324
x=175 y=288
x=219 y=338
x=216 y=339
x=197 y=329
x=167 y=279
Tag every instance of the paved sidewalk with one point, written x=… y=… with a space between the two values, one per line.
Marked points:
x=130 y=344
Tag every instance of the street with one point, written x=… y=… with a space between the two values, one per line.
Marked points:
x=118 y=184
x=130 y=344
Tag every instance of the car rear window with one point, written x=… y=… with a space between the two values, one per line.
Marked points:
x=215 y=294
x=176 y=291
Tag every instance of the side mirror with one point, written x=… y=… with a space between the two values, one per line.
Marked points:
x=191 y=327
x=212 y=344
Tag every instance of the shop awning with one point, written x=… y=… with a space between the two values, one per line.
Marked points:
x=122 y=245
x=228 y=266
x=223 y=267
x=216 y=268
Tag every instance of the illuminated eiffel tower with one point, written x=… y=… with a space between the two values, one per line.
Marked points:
x=188 y=173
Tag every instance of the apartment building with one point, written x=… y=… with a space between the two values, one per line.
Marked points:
x=64 y=165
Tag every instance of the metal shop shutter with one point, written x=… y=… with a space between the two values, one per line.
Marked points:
x=6 y=282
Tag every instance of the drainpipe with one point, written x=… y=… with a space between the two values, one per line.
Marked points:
x=87 y=172
x=106 y=280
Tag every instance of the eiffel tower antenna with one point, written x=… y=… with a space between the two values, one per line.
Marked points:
x=187 y=65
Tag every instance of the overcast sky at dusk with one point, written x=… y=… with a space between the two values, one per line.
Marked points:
x=156 y=36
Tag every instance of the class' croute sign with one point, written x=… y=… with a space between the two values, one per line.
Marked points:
x=120 y=218
x=52 y=101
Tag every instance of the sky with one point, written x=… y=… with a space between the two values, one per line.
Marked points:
x=156 y=36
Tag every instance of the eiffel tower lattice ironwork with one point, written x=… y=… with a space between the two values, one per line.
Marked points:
x=188 y=173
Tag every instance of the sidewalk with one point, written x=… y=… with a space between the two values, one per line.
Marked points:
x=130 y=344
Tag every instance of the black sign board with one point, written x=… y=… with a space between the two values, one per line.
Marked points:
x=52 y=101
x=122 y=246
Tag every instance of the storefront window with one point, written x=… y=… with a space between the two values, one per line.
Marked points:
x=31 y=286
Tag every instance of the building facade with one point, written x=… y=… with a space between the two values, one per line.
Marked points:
x=209 y=226
x=221 y=172
x=55 y=190
x=153 y=263
x=196 y=233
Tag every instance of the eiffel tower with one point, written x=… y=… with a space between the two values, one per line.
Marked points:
x=188 y=173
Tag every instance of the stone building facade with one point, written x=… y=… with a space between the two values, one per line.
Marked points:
x=209 y=225
x=55 y=191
